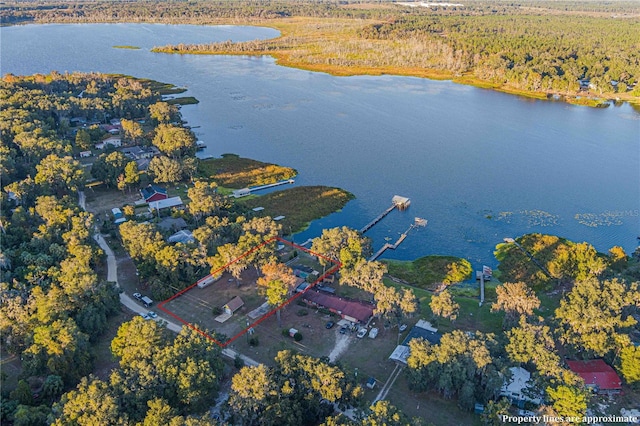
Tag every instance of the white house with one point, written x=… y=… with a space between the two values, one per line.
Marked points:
x=167 y=203
x=518 y=389
x=115 y=141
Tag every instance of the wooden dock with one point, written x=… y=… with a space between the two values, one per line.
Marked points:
x=271 y=185
x=397 y=202
x=388 y=246
x=377 y=219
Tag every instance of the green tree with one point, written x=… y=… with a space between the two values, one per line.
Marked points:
x=60 y=349
x=593 y=313
x=494 y=410
x=60 y=174
x=109 y=167
x=92 y=403
x=31 y=416
x=568 y=401
x=630 y=363
x=162 y=112
x=132 y=129
x=131 y=174
x=83 y=140
x=444 y=306
x=276 y=283
x=343 y=245
x=205 y=199
x=515 y=299
x=175 y=142
x=22 y=393
x=164 y=170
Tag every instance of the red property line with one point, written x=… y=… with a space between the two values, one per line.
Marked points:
x=334 y=269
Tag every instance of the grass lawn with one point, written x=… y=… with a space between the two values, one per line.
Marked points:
x=317 y=340
x=427 y=271
x=233 y=171
x=300 y=205
x=104 y=359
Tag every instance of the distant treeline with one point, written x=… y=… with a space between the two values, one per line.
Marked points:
x=542 y=47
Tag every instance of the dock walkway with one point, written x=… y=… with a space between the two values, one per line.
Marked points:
x=377 y=219
x=390 y=246
x=271 y=185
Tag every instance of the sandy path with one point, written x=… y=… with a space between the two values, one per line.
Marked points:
x=341 y=345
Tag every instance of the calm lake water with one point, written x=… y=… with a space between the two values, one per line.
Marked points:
x=478 y=165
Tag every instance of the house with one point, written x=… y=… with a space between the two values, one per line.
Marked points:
x=351 y=310
x=518 y=388
x=172 y=223
x=184 y=236
x=597 y=375
x=153 y=193
x=85 y=154
x=114 y=141
x=168 y=203
x=139 y=152
x=422 y=330
x=233 y=305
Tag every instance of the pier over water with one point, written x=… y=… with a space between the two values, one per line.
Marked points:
x=401 y=203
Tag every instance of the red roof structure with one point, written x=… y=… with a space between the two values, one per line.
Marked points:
x=596 y=373
x=352 y=310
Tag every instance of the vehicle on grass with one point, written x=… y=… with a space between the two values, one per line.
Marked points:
x=329 y=325
x=137 y=296
x=362 y=332
x=145 y=316
x=152 y=314
x=373 y=333
x=402 y=328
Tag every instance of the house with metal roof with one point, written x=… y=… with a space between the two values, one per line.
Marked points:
x=422 y=330
x=352 y=310
x=158 y=206
x=597 y=375
x=153 y=193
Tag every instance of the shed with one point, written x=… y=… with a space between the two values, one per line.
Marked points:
x=85 y=154
x=233 y=305
x=371 y=383
x=116 y=212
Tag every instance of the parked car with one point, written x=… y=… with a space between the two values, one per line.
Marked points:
x=362 y=332
x=152 y=314
x=137 y=296
x=145 y=316
x=329 y=325
x=343 y=330
x=402 y=328
x=373 y=333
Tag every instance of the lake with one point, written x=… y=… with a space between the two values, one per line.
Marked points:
x=477 y=164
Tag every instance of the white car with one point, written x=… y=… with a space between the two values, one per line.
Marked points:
x=152 y=314
x=402 y=328
x=137 y=296
x=145 y=316
x=362 y=332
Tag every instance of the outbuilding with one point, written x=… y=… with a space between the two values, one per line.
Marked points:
x=233 y=305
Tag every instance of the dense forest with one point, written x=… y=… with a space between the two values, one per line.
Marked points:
x=572 y=49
